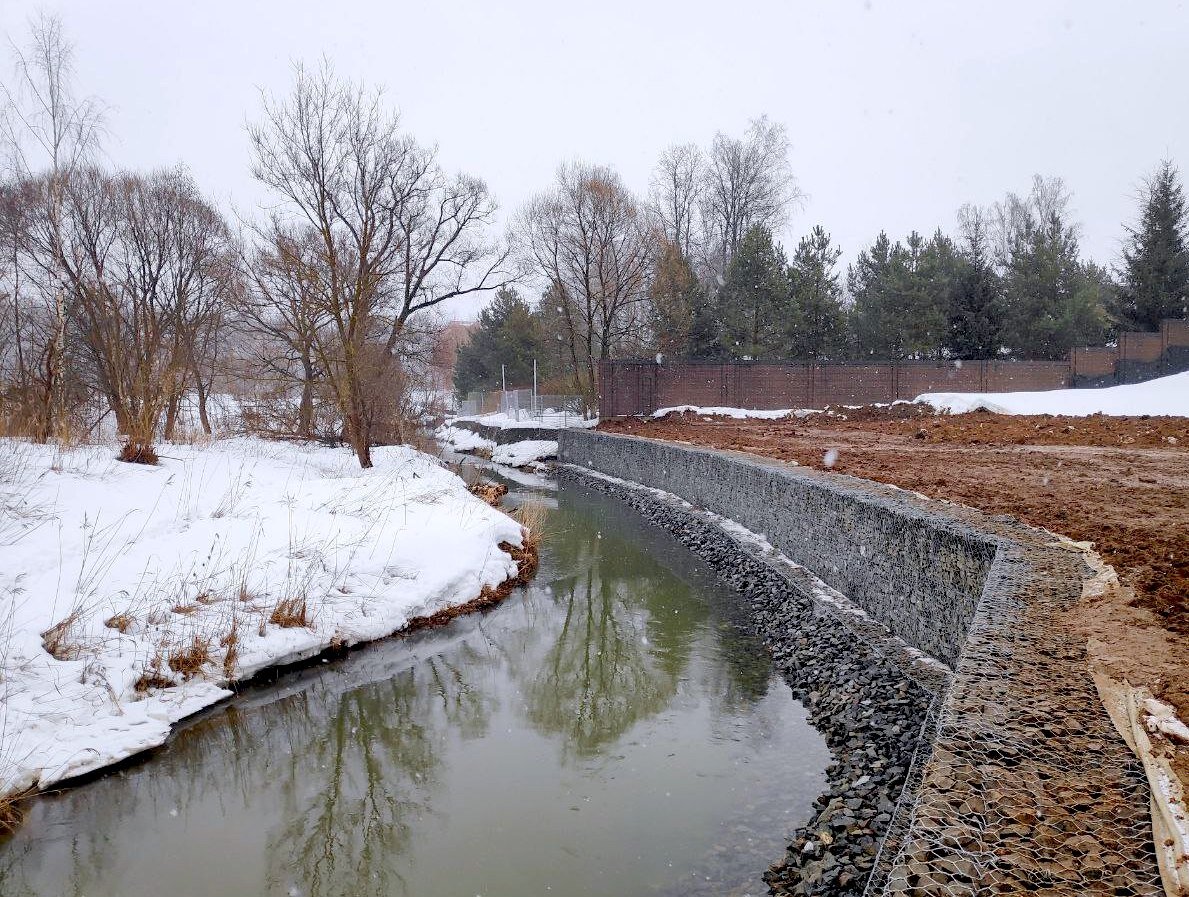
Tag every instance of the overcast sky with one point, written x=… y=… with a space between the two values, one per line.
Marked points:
x=898 y=112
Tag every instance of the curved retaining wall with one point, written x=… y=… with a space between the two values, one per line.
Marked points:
x=1025 y=786
x=507 y=435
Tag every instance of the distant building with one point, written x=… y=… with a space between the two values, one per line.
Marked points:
x=445 y=353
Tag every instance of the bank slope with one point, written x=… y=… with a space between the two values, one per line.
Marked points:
x=132 y=596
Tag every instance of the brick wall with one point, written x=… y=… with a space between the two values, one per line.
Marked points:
x=641 y=387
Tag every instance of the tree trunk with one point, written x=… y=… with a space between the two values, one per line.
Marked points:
x=203 y=417
x=305 y=416
x=171 y=416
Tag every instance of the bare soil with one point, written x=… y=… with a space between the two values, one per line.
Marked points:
x=1119 y=482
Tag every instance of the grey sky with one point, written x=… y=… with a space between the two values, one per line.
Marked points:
x=898 y=112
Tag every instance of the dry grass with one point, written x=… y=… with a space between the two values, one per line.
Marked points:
x=184 y=609
x=59 y=639
x=12 y=811
x=189 y=661
x=291 y=613
x=230 y=642
x=135 y=451
x=121 y=623
x=531 y=516
x=153 y=675
x=490 y=492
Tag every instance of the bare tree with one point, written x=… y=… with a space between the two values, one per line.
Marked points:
x=675 y=193
x=395 y=234
x=45 y=128
x=282 y=314
x=591 y=244
x=746 y=182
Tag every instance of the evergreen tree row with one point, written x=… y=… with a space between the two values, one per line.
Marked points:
x=1012 y=284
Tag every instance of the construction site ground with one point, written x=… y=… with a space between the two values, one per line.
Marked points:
x=1119 y=482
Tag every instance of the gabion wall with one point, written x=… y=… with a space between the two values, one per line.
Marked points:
x=1023 y=786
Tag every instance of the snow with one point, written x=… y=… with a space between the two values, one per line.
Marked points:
x=1163 y=396
x=736 y=413
x=463 y=440
x=198 y=548
x=549 y=420
x=518 y=454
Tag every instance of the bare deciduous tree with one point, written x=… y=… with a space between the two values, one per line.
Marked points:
x=591 y=244
x=747 y=182
x=45 y=128
x=675 y=194
x=395 y=235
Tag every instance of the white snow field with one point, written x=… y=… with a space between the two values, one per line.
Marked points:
x=550 y=420
x=736 y=413
x=463 y=440
x=1163 y=396
x=519 y=454
x=176 y=577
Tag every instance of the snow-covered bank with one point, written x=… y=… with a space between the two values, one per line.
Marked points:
x=512 y=454
x=157 y=586
x=1164 y=396
x=547 y=421
x=736 y=413
x=518 y=454
x=462 y=440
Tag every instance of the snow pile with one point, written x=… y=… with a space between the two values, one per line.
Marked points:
x=518 y=454
x=159 y=585
x=736 y=413
x=1164 y=396
x=549 y=420
x=462 y=440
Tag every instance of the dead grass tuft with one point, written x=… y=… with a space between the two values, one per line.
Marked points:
x=531 y=516
x=137 y=452
x=121 y=623
x=189 y=661
x=185 y=609
x=230 y=641
x=58 y=639
x=12 y=811
x=153 y=676
x=490 y=492
x=291 y=613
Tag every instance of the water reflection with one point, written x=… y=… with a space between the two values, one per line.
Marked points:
x=606 y=732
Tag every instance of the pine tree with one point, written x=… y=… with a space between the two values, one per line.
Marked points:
x=1052 y=302
x=975 y=307
x=817 y=319
x=1155 y=275
x=705 y=333
x=753 y=301
x=876 y=282
x=507 y=335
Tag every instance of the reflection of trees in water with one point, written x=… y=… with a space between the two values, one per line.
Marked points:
x=345 y=774
x=620 y=647
x=350 y=795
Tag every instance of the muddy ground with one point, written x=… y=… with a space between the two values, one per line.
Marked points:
x=1121 y=483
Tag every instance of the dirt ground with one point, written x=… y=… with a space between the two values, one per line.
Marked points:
x=1121 y=483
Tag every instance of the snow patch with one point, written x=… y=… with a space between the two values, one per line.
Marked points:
x=736 y=413
x=519 y=454
x=1163 y=396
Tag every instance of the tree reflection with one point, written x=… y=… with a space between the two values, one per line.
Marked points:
x=352 y=794
x=623 y=642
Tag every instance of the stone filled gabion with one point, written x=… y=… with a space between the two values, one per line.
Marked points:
x=1020 y=783
x=868 y=710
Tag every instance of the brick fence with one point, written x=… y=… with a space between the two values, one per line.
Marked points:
x=641 y=387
